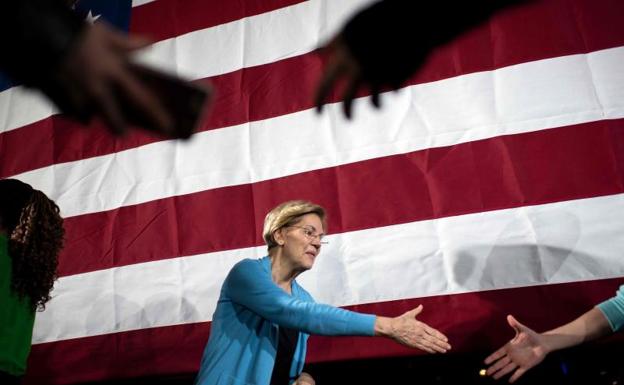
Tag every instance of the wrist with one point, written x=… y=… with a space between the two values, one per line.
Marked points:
x=384 y=327
x=551 y=342
x=548 y=344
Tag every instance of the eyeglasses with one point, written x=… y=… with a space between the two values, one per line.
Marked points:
x=311 y=235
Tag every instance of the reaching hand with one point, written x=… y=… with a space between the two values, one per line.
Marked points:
x=523 y=352
x=97 y=72
x=370 y=52
x=384 y=44
x=408 y=331
x=342 y=64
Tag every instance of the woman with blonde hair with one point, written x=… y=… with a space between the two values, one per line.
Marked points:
x=264 y=317
x=31 y=236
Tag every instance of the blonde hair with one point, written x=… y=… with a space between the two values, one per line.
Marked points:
x=288 y=214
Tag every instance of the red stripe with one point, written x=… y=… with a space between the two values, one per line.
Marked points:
x=267 y=91
x=478 y=324
x=144 y=352
x=525 y=169
x=165 y=19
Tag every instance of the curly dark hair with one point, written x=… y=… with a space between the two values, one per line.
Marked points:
x=35 y=230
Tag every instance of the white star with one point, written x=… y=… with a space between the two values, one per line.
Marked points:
x=90 y=18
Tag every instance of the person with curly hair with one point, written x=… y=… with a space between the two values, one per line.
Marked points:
x=31 y=237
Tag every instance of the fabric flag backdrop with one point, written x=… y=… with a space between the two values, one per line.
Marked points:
x=492 y=183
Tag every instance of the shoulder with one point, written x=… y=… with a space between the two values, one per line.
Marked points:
x=246 y=266
x=247 y=269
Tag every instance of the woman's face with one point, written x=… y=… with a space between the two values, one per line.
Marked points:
x=302 y=241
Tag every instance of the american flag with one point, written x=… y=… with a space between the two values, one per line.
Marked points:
x=491 y=183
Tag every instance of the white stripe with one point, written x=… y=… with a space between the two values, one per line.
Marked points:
x=523 y=98
x=553 y=243
x=252 y=41
x=136 y=3
x=255 y=40
x=20 y=106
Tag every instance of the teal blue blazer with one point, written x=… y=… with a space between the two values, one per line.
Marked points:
x=243 y=339
x=613 y=310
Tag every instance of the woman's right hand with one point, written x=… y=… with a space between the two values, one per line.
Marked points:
x=527 y=349
x=408 y=331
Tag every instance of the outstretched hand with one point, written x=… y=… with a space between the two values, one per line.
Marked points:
x=409 y=331
x=342 y=65
x=370 y=54
x=97 y=71
x=523 y=352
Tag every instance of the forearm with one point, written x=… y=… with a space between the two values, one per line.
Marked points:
x=315 y=318
x=375 y=35
x=250 y=286
x=589 y=326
